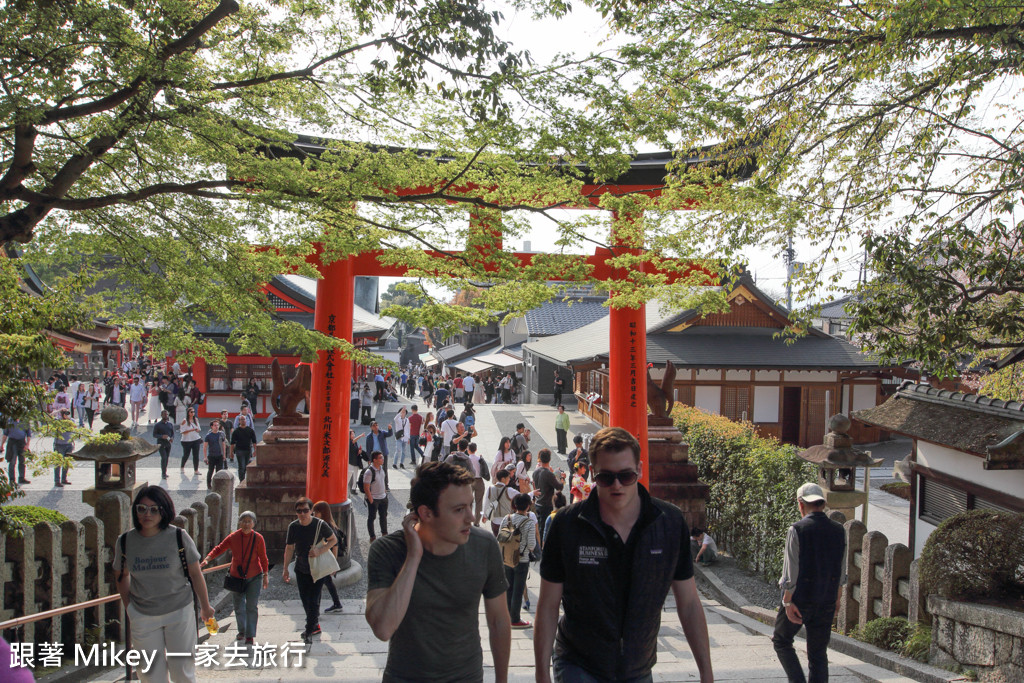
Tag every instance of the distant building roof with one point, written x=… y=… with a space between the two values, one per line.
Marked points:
x=557 y=317
x=754 y=347
x=976 y=424
x=589 y=342
x=837 y=307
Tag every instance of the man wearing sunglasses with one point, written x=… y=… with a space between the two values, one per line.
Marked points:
x=610 y=561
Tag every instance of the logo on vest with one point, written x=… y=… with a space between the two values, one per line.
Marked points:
x=656 y=551
x=592 y=554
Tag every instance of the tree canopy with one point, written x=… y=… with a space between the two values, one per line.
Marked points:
x=891 y=125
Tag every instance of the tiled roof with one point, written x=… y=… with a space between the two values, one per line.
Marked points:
x=836 y=308
x=753 y=347
x=965 y=422
x=587 y=342
x=448 y=352
x=557 y=317
x=364 y=323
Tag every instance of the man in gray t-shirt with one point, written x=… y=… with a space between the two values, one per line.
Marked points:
x=425 y=583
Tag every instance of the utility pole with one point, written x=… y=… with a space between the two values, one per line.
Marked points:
x=790 y=256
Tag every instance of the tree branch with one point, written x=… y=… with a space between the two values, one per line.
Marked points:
x=197 y=189
x=191 y=37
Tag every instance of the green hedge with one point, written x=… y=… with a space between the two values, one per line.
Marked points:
x=753 y=484
x=27 y=516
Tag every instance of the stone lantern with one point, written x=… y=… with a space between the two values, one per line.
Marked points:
x=837 y=461
x=115 y=463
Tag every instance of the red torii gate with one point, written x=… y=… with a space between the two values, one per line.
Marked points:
x=327 y=463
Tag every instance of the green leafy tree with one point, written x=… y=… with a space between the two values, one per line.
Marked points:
x=894 y=122
x=23 y=347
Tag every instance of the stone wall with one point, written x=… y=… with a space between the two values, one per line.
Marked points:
x=985 y=638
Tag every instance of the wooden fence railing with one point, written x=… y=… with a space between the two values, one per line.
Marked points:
x=52 y=566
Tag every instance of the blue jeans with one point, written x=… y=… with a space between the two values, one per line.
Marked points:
x=246 y=604
x=567 y=672
x=414 y=448
x=818 y=622
x=401 y=451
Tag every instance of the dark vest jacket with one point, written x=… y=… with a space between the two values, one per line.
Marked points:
x=614 y=640
x=822 y=543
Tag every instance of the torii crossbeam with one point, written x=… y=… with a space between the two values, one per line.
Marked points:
x=327 y=464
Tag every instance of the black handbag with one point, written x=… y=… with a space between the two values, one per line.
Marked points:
x=236 y=584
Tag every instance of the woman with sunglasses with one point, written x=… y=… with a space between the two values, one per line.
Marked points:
x=156 y=589
x=191 y=440
x=248 y=561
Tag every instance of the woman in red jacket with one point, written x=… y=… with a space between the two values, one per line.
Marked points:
x=248 y=560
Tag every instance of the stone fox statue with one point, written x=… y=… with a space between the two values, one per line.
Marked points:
x=285 y=397
x=660 y=399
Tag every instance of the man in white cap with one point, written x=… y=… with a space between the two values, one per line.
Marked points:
x=812 y=573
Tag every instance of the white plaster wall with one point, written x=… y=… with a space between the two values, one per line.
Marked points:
x=965 y=466
x=767 y=375
x=863 y=396
x=708 y=399
x=811 y=376
x=709 y=374
x=737 y=375
x=921 y=533
x=845 y=409
x=766 y=404
x=216 y=404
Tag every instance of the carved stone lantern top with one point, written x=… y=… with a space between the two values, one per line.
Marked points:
x=837 y=451
x=128 y=448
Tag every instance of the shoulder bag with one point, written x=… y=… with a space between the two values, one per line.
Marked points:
x=323 y=564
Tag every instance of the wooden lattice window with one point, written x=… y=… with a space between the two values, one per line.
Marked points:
x=736 y=402
x=684 y=395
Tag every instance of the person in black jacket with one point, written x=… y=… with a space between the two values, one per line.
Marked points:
x=163 y=432
x=610 y=561
x=243 y=441
x=813 y=571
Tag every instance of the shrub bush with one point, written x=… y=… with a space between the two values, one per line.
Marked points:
x=918 y=643
x=897 y=488
x=888 y=633
x=27 y=516
x=753 y=484
x=975 y=555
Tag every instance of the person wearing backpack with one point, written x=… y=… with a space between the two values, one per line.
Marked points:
x=374 y=487
x=499 y=499
x=517 y=538
x=158 y=573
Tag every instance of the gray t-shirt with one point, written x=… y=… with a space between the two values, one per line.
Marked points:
x=378 y=484
x=158 y=583
x=439 y=639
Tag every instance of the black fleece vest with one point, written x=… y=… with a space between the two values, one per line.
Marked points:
x=821 y=559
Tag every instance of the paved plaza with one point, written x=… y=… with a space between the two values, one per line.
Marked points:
x=347 y=650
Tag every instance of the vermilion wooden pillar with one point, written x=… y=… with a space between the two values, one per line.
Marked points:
x=327 y=464
x=627 y=361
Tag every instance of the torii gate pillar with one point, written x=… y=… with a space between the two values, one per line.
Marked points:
x=327 y=459
x=627 y=361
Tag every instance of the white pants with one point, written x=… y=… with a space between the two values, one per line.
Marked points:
x=175 y=632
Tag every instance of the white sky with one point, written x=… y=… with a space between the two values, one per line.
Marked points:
x=585 y=31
